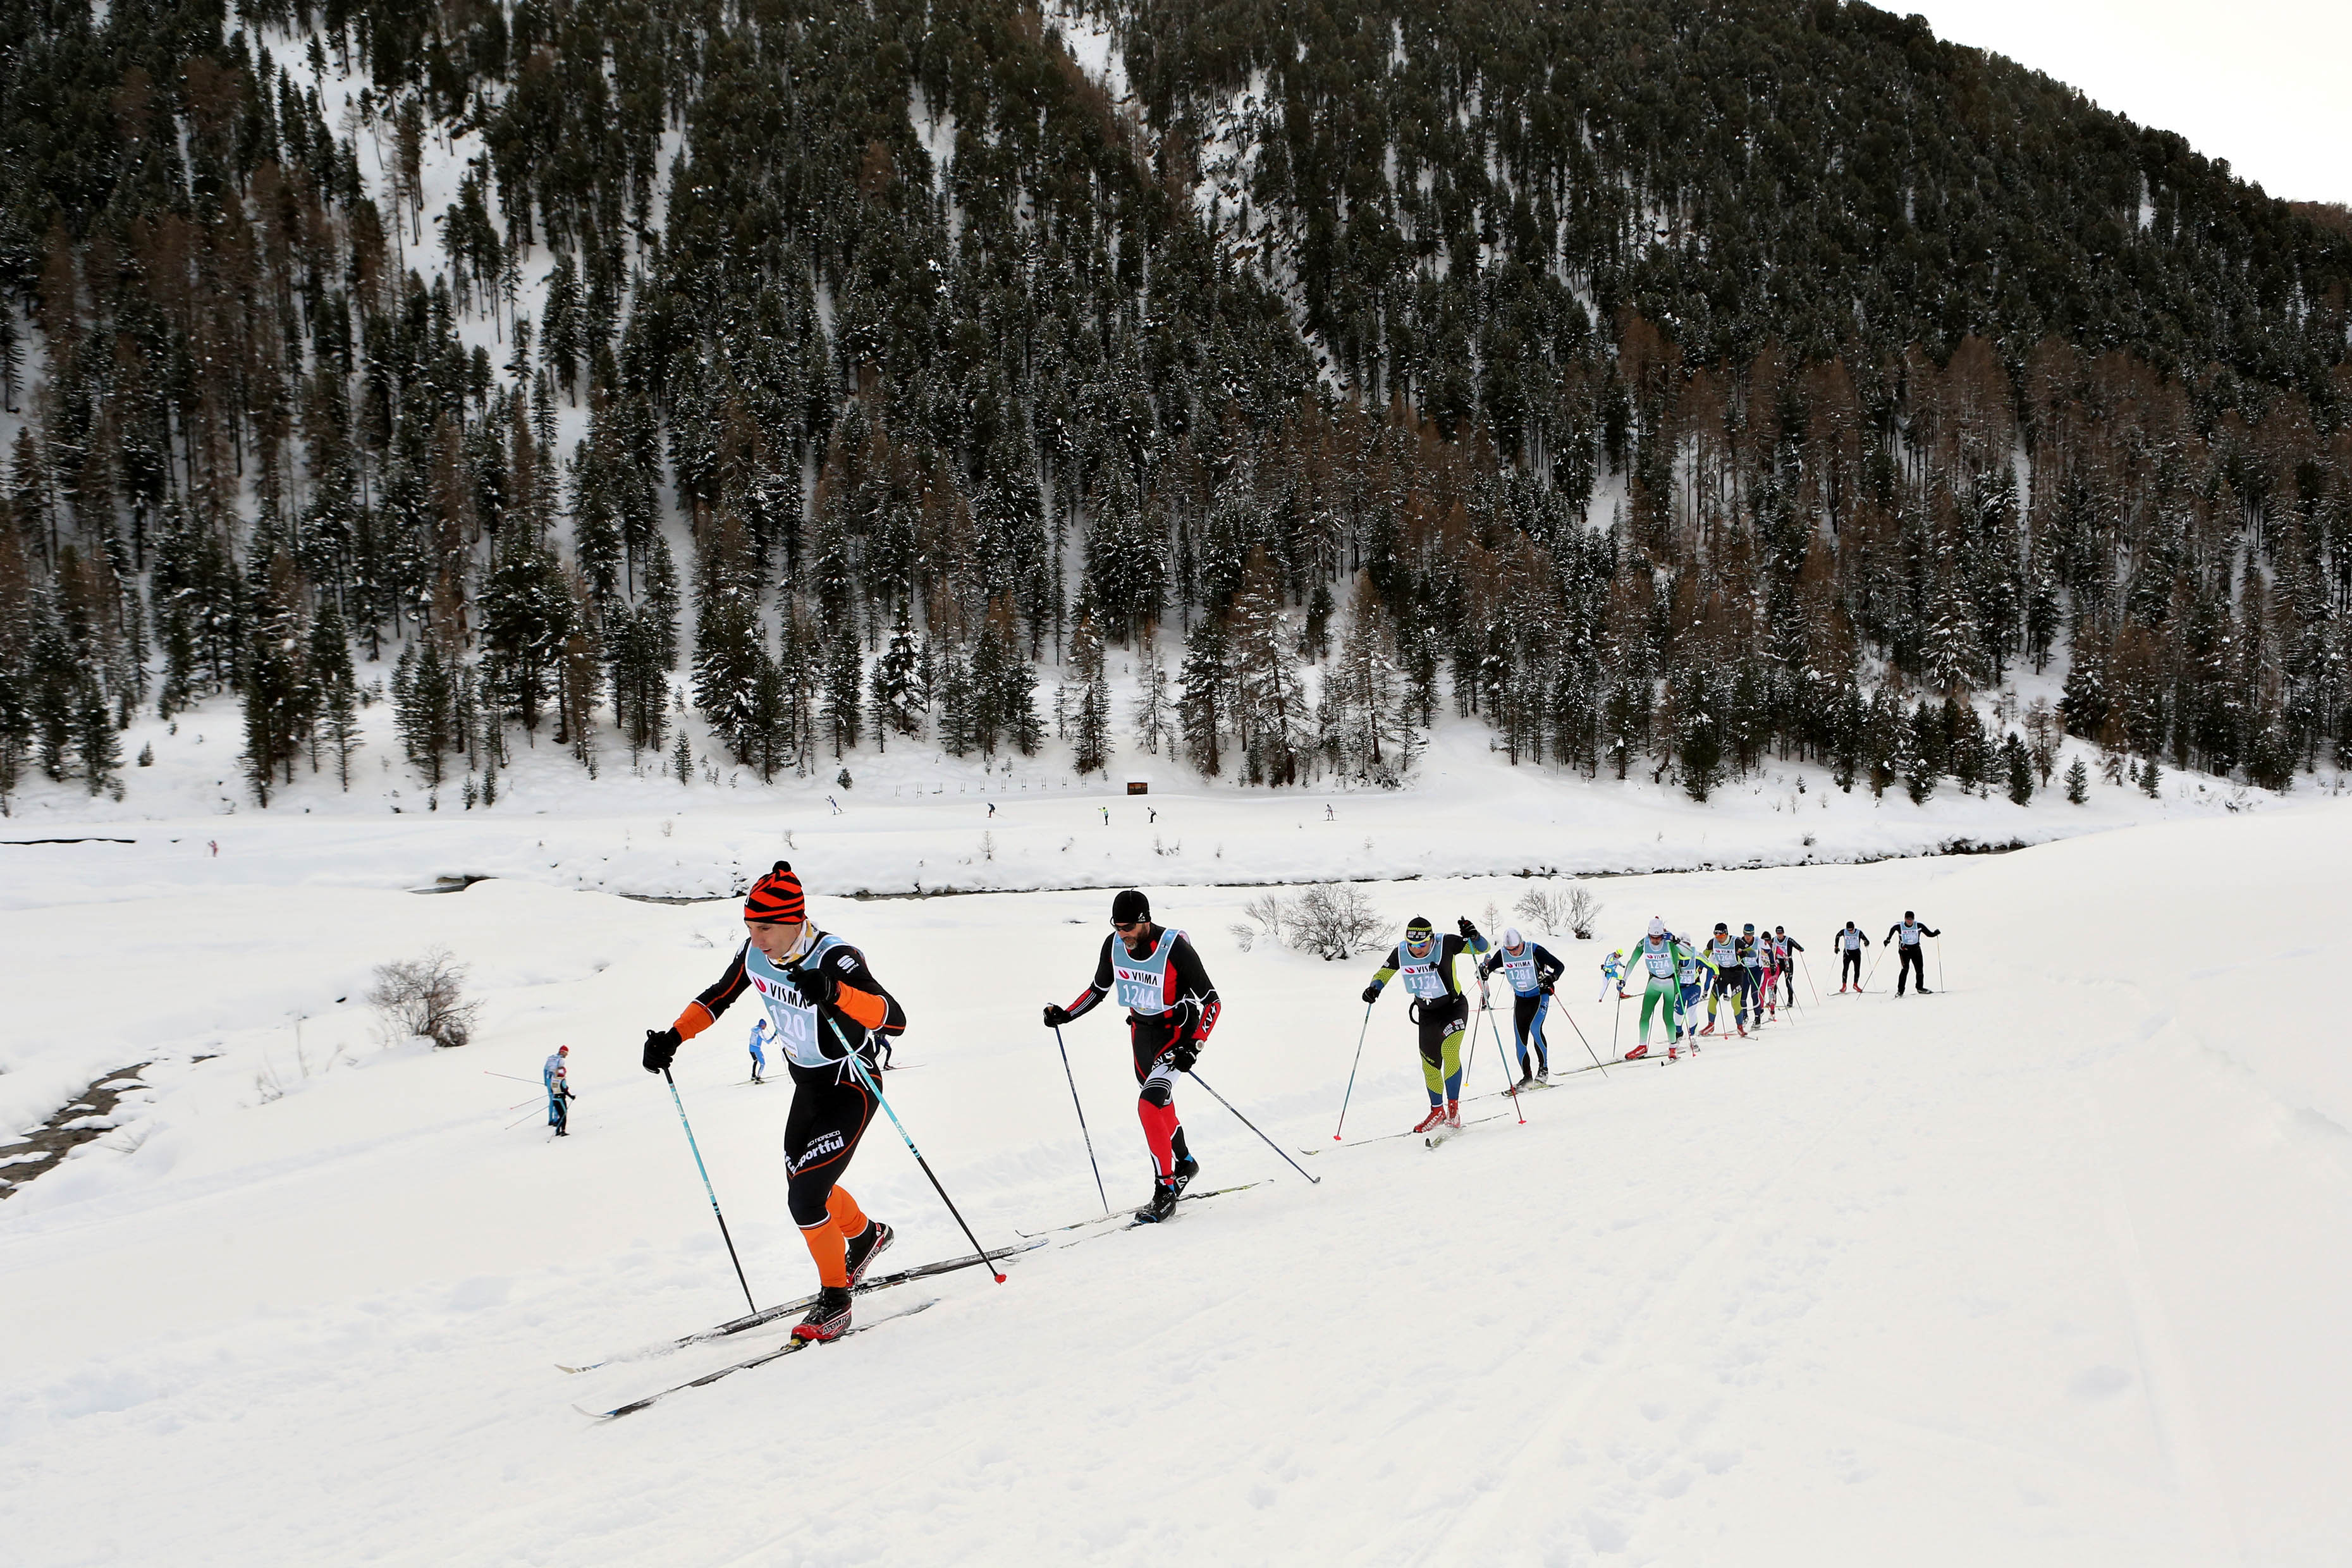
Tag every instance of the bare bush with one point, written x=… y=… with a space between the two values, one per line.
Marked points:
x=1332 y=920
x=1267 y=910
x=1584 y=913
x=1575 y=911
x=1245 y=934
x=426 y=996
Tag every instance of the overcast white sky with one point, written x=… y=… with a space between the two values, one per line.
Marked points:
x=2266 y=84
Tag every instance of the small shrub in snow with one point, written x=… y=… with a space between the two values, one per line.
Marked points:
x=1332 y=920
x=426 y=996
x=1573 y=911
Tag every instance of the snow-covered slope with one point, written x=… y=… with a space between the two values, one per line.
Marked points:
x=2046 y=1268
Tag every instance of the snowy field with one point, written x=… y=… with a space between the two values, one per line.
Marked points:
x=2049 y=1267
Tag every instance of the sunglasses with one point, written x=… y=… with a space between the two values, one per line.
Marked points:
x=1129 y=925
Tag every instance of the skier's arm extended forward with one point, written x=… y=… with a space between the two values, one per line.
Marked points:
x=1387 y=972
x=1085 y=1001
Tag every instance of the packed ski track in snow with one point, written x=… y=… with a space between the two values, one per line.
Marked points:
x=2046 y=1267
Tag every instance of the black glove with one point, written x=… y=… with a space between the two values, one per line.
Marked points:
x=1371 y=992
x=820 y=987
x=1469 y=932
x=1057 y=1015
x=1545 y=988
x=661 y=1049
x=1186 y=1053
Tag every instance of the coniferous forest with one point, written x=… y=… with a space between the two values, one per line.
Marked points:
x=1670 y=386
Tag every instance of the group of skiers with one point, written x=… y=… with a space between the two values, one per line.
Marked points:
x=831 y=1018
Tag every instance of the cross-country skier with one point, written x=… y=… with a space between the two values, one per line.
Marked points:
x=1722 y=953
x=824 y=1003
x=1531 y=970
x=759 y=1057
x=1157 y=975
x=1909 y=955
x=1440 y=1009
x=1662 y=953
x=1693 y=973
x=1751 y=973
x=1787 y=947
x=1613 y=973
x=1850 y=944
x=1767 y=962
x=558 y=1092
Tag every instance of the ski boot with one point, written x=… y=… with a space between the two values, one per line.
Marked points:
x=1163 y=1203
x=864 y=1246
x=1526 y=1076
x=1436 y=1114
x=1710 y=1027
x=1637 y=1052
x=1452 y=1113
x=1186 y=1169
x=829 y=1319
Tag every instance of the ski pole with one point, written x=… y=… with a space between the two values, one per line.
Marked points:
x=1617 y=1025
x=1252 y=1126
x=1082 y=1119
x=488 y=1072
x=707 y=1191
x=1510 y=1086
x=858 y=1065
x=1588 y=1043
x=1808 y=980
x=1939 y=962
x=1874 y=969
x=1352 y=1072
x=518 y=1120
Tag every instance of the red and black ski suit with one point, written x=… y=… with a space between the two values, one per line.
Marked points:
x=1186 y=1011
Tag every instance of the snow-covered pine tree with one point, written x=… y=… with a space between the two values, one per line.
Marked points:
x=425 y=704
x=334 y=697
x=1090 y=741
x=1151 y=708
x=844 y=671
x=727 y=636
x=1199 y=706
x=274 y=684
x=1271 y=717
x=2078 y=781
x=897 y=705
x=2017 y=765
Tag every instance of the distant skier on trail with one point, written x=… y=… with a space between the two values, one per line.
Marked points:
x=1613 y=973
x=1438 y=1008
x=824 y=1003
x=1752 y=972
x=1531 y=970
x=1850 y=944
x=1692 y=975
x=1767 y=962
x=558 y=1092
x=1787 y=947
x=1909 y=955
x=1158 y=976
x=1662 y=953
x=1722 y=953
x=759 y=1057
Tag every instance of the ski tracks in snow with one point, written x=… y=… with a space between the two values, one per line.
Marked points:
x=1659 y=1322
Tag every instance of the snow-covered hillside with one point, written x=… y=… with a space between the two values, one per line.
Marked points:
x=2044 y=1268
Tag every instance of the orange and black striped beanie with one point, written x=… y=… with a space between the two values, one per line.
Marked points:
x=776 y=897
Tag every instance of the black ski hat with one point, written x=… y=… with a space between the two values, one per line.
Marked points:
x=1909 y=916
x=1419 y=922
x=1131 y=905
x=1720 y=926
